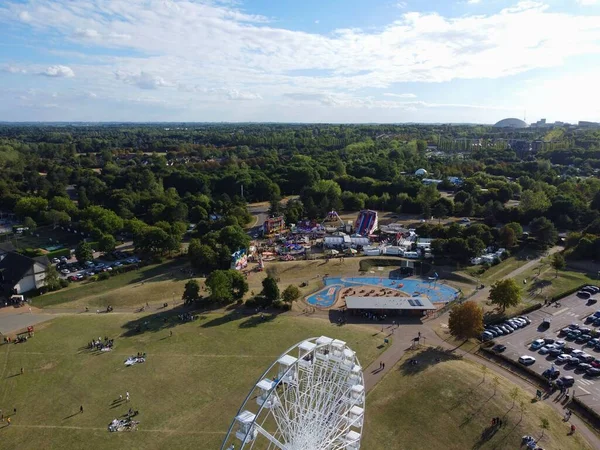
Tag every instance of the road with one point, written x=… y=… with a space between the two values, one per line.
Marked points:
x=260 y=213
x=572 y=310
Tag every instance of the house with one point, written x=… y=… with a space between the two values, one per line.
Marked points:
x=20 y=274
x=6 y=247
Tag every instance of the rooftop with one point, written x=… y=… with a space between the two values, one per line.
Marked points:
x=404 y=303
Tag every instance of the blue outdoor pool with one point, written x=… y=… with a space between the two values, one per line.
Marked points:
x=437 y=292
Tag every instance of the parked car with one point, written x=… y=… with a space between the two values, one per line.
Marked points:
x=486 y=336
x=591 y=301
x=584 y=294
x=72 y=278
x=583 y=367
x=551 y=374
x=559 y=344
x=546 y=349
x=545 y=324
x=567 y=349
x=564 y=331
x=526 y=319
x=563 y=358
x=118 y=264
x=593 y=342
x=79 y=276
x=55 y=260
x=566 y=381
x=585 y=330
x=555 y=351
x=586 y=358
x=583 y=338
x=65 y=271
x=538 y=343
x=576 y=353
x=527 y=360
x=590 y=319
x=593 y=372
x=595 y=363
x=499 y=348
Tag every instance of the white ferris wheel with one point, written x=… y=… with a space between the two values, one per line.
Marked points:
x=311 y=398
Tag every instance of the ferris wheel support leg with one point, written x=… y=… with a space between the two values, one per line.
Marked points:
x=268 y=435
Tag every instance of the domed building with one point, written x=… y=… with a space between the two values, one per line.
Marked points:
x=421 y=173
x=511 y=123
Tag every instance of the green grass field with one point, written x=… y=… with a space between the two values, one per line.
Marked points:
x=160 y=281
x=448 y=406
x=187 y=392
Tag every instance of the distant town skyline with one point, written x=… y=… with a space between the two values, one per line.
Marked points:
x=383 y=61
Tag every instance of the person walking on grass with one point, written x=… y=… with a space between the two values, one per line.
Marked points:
x=81 y=409
x=127 y=396
x=8 y=420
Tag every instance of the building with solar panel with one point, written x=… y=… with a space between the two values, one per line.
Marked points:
x=390 y=306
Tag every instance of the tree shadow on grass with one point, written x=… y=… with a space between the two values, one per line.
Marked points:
x=160 y=320
x=426 y=359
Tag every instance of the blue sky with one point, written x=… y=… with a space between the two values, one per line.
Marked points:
x=299 y=60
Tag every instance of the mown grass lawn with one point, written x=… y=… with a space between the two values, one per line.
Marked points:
x=447 y=405
x=99 y=293
x=187 y=392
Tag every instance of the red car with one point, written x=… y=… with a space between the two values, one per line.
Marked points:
x=72 y=278
x=596 y=364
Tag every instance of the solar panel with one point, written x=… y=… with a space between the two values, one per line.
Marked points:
x=412 y=303
x=418 y=302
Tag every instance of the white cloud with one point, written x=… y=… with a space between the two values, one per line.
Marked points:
x=391 y=94
x=473 y=2
x=401 y=5
x=143 y=80
x=87 y=33
x=587 y=2
x=233 y=55
x=25 y=16
x=338 y=100
x=58 y=72
x=317 y=21
x=14 y=69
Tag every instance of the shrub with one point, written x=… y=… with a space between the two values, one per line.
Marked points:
x=103 y=276
x=63 y=283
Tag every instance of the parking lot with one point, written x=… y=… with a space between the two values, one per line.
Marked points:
x=74 y=271
x=571 y=309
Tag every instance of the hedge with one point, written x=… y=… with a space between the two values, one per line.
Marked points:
x=58 y=253
x=557 y=297
x=366 y=264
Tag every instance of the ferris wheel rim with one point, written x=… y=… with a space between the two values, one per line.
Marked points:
x=272 y=391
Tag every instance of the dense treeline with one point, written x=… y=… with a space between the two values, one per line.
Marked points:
x=152 y=181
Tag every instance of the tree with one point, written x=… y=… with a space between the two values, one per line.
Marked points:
x=543 y=231
x=107 y=243
x=191 y=292
x=290 y=293
x=496 y=382
x=544 y=425
x=558 y=263
x=505 y=293
x=270 y=289
x=30 y=206
x=219 y=285
x=51 y=278
x=440 y=211
x=507 y=237
x=152 y=240
x=226 y=285
x=83 y=252
x=514 y=395
x=29 y=223
x=466 y=320
x=104 y=219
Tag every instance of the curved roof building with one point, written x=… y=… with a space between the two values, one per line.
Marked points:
x=511 y=123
